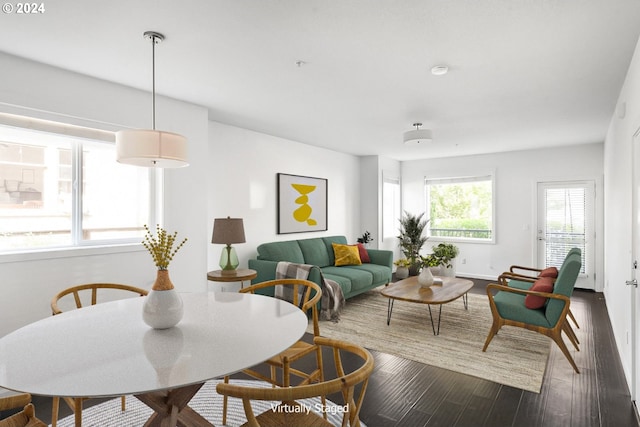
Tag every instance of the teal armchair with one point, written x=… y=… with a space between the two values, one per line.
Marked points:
x=523 y=277
x=508 y=307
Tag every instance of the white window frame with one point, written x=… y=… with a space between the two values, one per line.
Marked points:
x=81 y=130
x=448 y=179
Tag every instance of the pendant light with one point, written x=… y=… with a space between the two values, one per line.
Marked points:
x=151 y=147
x=417 y=136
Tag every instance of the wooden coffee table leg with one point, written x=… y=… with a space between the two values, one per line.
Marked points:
x=465 y=300
x=389 y=310
x=439 y=317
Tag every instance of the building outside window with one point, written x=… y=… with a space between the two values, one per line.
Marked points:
x=58 y=190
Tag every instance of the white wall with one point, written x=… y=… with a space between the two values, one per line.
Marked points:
x=516 y=174
x=242 y=174
x=618 y=210
x=28 y=282
x=372 y=171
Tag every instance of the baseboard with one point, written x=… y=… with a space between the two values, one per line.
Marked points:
x=476 y=276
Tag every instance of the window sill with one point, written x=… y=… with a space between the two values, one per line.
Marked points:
x=76 y=252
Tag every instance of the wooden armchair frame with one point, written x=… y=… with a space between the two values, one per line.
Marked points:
x=24 y=418
x=343 y=383
x=310 y=298
x=532 y=279
x=76 y=403
x=502 y=280
x=555 y=332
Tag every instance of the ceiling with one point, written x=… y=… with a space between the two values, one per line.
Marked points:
x=522 y=73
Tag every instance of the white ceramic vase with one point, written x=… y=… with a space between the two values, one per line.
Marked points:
x=425 y=278
x=162 y=309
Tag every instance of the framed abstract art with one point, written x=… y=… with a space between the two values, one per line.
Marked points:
x=302 y=204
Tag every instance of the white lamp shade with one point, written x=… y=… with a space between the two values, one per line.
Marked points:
x=417 y=136
x=151 y=148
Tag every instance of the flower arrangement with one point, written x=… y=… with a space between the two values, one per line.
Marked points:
x=160 y=246
x=402 y=262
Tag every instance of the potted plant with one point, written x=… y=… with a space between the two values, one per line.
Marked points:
x=402 y=268
x=425 y=278
x=365 y=238
x=411 y=239
x=444 y=254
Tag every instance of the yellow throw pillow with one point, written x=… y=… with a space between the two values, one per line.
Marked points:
x=346 y=255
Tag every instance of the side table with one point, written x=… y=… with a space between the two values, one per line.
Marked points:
x=240 y=275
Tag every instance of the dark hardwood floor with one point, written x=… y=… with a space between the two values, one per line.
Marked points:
x=406 y=393
x=410 y=394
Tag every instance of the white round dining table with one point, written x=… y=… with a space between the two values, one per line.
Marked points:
x=107 y=350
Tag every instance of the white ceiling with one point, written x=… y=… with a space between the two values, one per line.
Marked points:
x=523 y=73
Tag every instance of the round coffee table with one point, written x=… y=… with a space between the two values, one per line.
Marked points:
x=448 y=289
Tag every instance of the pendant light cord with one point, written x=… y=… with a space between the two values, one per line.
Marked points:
x=153 y=83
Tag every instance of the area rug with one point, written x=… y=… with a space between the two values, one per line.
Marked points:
x=516 y=357
x=207 y=402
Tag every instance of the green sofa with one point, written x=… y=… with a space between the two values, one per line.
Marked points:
x=353 y=279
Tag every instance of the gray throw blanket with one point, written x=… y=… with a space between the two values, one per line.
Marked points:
x=332 y=297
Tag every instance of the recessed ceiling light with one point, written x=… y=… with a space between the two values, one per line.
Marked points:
x=439 y=70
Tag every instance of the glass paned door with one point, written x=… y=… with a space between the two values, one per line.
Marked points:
x=565 y=221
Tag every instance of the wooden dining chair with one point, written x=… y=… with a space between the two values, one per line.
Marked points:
x=85 y=295
x=306 y=295
x=351 y=386
x=25 y=418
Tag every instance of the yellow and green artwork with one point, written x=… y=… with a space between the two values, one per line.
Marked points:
x=302 y=204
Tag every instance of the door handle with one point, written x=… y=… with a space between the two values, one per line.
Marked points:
x=633 y=282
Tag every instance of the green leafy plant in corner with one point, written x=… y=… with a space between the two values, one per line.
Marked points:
x=411 y=238
x=444 y=253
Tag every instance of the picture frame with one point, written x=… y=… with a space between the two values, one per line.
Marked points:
x=302 y=204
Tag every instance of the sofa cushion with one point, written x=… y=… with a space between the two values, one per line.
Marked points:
x=364 y=254
x=341 y=240
x=380 y=273
x=358 y=278
x=315 y=252
x=281 y=251
x=543 y=284
x=346 y=255
x=344 y=282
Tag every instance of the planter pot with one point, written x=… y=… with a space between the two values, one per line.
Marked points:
x=449 y=271
x=414 y=270
x=436 y=271
x=402 y=273
x=425 y=278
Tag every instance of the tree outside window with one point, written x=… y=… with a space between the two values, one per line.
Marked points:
x=461 y=208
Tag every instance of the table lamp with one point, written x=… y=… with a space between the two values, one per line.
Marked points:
x=227 y=231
